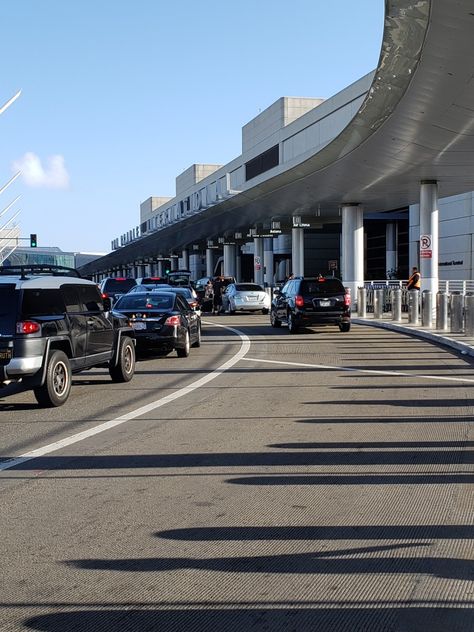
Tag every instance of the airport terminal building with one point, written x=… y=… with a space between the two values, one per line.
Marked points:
x=367 y=183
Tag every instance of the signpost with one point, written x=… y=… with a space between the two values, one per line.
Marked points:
x=426 y=251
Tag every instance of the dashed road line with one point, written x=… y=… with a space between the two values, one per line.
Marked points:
x=108 y=425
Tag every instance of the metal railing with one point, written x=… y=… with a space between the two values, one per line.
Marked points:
x=451 y=309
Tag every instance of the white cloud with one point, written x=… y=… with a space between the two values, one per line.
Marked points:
x=53 y=175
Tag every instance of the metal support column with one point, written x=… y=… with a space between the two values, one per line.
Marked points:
x=429 y=235
x=258 y=260
x=209 y=261
x=230 y=267
x=352 y=247
x=297 y=251
x=268 y=260
x=185 y=259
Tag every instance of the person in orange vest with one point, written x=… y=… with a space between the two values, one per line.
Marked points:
x=414 y=282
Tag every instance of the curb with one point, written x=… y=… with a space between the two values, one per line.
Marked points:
x=463 y=347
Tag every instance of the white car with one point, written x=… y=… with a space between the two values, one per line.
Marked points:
x=245 y=297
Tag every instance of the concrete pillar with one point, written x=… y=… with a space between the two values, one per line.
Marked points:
x=391 y=253
x=185 y=259
x=268 y=260
x=195 y=265
x=238 y=266
x=209 y=261
x=174 y=263
x=230 y=267
x=282 y=270
x=429 y=236
x=352 y=248
x=258 y=260
x=159 y=268
x=297 y=251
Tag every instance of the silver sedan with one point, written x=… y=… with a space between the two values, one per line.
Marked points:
x=245 y=297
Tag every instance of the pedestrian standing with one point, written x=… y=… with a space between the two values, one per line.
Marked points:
x=218 y=287
x=414 y=282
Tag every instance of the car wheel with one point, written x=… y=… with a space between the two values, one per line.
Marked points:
x=264 y=310
x=292 y=326
x=274 y=321
x=184 y=351
x=125 y=368
x=57 y=385
x=344 y=326
x=197 y=342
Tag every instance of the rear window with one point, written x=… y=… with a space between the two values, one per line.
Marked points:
x=145 y=301
x=42 y=303
x=153 y=281
x=248 y=287
x=119 y=286
x=8 y=308
x=326 y=286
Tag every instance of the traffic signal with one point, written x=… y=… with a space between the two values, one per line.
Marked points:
x=33 y=241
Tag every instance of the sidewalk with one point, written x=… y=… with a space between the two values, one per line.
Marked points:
x=459 y=342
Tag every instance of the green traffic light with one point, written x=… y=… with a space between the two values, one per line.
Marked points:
x=33 y=240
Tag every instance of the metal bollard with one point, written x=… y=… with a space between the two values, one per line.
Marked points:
x=442 y=311
x=414 y=307
x=457 y=307
x=469 y=314
x=397 y=305
x=378 y=303
x=361 y=302
x=427 y=308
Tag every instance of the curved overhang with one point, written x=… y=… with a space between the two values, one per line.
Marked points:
x=416 y=123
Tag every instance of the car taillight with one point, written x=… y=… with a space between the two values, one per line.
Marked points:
x=173 y=321
x=27 y=327
x=347 y=300
x=299 y=301
x=193 y=304
x=105 y=295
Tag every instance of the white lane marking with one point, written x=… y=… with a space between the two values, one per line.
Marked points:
x=370 y=371
x=80 y=436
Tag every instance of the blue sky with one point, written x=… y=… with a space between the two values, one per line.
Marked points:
x=119 y=97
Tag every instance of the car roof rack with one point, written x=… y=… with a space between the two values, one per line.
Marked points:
x=26 y=270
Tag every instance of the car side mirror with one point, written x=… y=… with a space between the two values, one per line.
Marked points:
x=107 y=304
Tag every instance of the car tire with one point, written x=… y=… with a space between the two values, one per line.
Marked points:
x=125 y=368
x=57 y=384
x=184 y=351
x=265 y=311
x=274 y=321
x=292 y=326
x=344 y=326
x=197 y=342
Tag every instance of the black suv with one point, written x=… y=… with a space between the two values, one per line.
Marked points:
x=54 y=323
x=115 y=287
x=311 y=300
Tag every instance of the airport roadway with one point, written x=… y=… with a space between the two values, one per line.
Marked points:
x=270 y=482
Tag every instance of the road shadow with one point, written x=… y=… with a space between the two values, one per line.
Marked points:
x=248 y=619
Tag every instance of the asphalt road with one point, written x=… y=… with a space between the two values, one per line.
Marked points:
x=313 y=482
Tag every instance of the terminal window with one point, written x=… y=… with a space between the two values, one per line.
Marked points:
x=262 y=163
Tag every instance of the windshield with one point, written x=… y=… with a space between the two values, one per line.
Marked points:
x=8 y=308
x=145 y=301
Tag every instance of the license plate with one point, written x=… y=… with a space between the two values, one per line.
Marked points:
x=252 y=298
x=325 y=303
x=139 y=325
x=5 y=354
